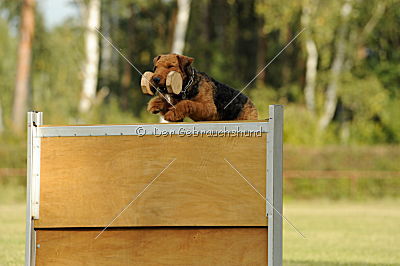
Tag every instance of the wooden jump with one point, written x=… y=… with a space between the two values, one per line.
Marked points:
x=166 y=194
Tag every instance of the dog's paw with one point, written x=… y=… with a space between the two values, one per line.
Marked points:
x=153 y=109
x=174 y=116
x=156 y=105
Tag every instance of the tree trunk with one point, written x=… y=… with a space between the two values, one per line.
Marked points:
x=24 y=62
x=359 y=51
x=261 y=52
x=311 y=74
x=375 y=18
x=331 y=91
x=92 y=56
x=126 y=79
x=182 y=21
x=309 y=9
x=106 y=52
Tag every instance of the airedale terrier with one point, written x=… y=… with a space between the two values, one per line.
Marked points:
x=202 y=98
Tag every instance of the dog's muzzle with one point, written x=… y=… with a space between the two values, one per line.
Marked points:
x=162 y=89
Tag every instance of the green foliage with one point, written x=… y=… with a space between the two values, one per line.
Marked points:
x=366 y=100
x=111 y=113
x=12 y=150
x=364 y=97
x=57 y=73
x=297 y=117
x=262 y=97
x=231 y=41
x=8 y=55
x=390 y=120
x=278 y=14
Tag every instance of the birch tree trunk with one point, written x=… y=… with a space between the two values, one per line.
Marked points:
x=312 y=57
x=182 y=21
x=90 y=70
x=337 y=65
x=311 y=74
x=375 y=18
x=24 y=63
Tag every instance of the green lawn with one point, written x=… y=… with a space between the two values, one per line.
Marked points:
x=342 y=233
x=338 y=233
x=12 y=234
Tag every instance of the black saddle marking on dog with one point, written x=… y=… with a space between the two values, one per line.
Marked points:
x=223 y=94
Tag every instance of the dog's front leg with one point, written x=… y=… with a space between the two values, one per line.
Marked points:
x=157 y=105
x=179 y=111
x=197 y=111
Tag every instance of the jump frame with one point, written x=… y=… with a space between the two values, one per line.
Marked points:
x=273 y=127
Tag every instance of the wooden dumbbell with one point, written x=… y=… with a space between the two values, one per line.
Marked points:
x=174 y=82
x=145 y=83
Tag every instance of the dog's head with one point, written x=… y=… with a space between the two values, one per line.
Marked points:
x=163 y=64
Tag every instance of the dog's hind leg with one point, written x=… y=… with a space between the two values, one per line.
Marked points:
x=249 y=112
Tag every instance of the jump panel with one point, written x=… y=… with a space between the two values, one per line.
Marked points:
x=161 y=246
x=88 y=181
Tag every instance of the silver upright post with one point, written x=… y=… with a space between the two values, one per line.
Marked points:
x=274 y=185
x=34 y=120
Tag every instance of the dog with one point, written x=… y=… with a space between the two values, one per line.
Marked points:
x=202 y=98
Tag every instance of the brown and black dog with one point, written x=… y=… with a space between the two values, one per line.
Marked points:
x=202 y=98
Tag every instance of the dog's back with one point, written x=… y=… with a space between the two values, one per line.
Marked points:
x=231 y=104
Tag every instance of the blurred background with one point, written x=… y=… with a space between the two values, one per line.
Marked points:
x=339 y=81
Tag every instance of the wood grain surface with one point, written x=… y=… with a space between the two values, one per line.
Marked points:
x=143 y=246
x=88 y=181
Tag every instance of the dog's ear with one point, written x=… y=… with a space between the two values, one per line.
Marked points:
x=155 y=60
x=185 y=63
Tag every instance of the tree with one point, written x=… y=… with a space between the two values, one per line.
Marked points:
x=309 y=9
x=178 y=43
x=182 y=21
x=24 y=62
x=126 y=78
x=92 y=22
x=261 y=50
x=336 y=68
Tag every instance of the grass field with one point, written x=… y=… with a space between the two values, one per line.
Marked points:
x=342 y=233
x=12 y=234
x=338 y=233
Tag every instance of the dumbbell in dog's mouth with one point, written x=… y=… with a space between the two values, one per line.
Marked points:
x=152 y=83
x=159 y=83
